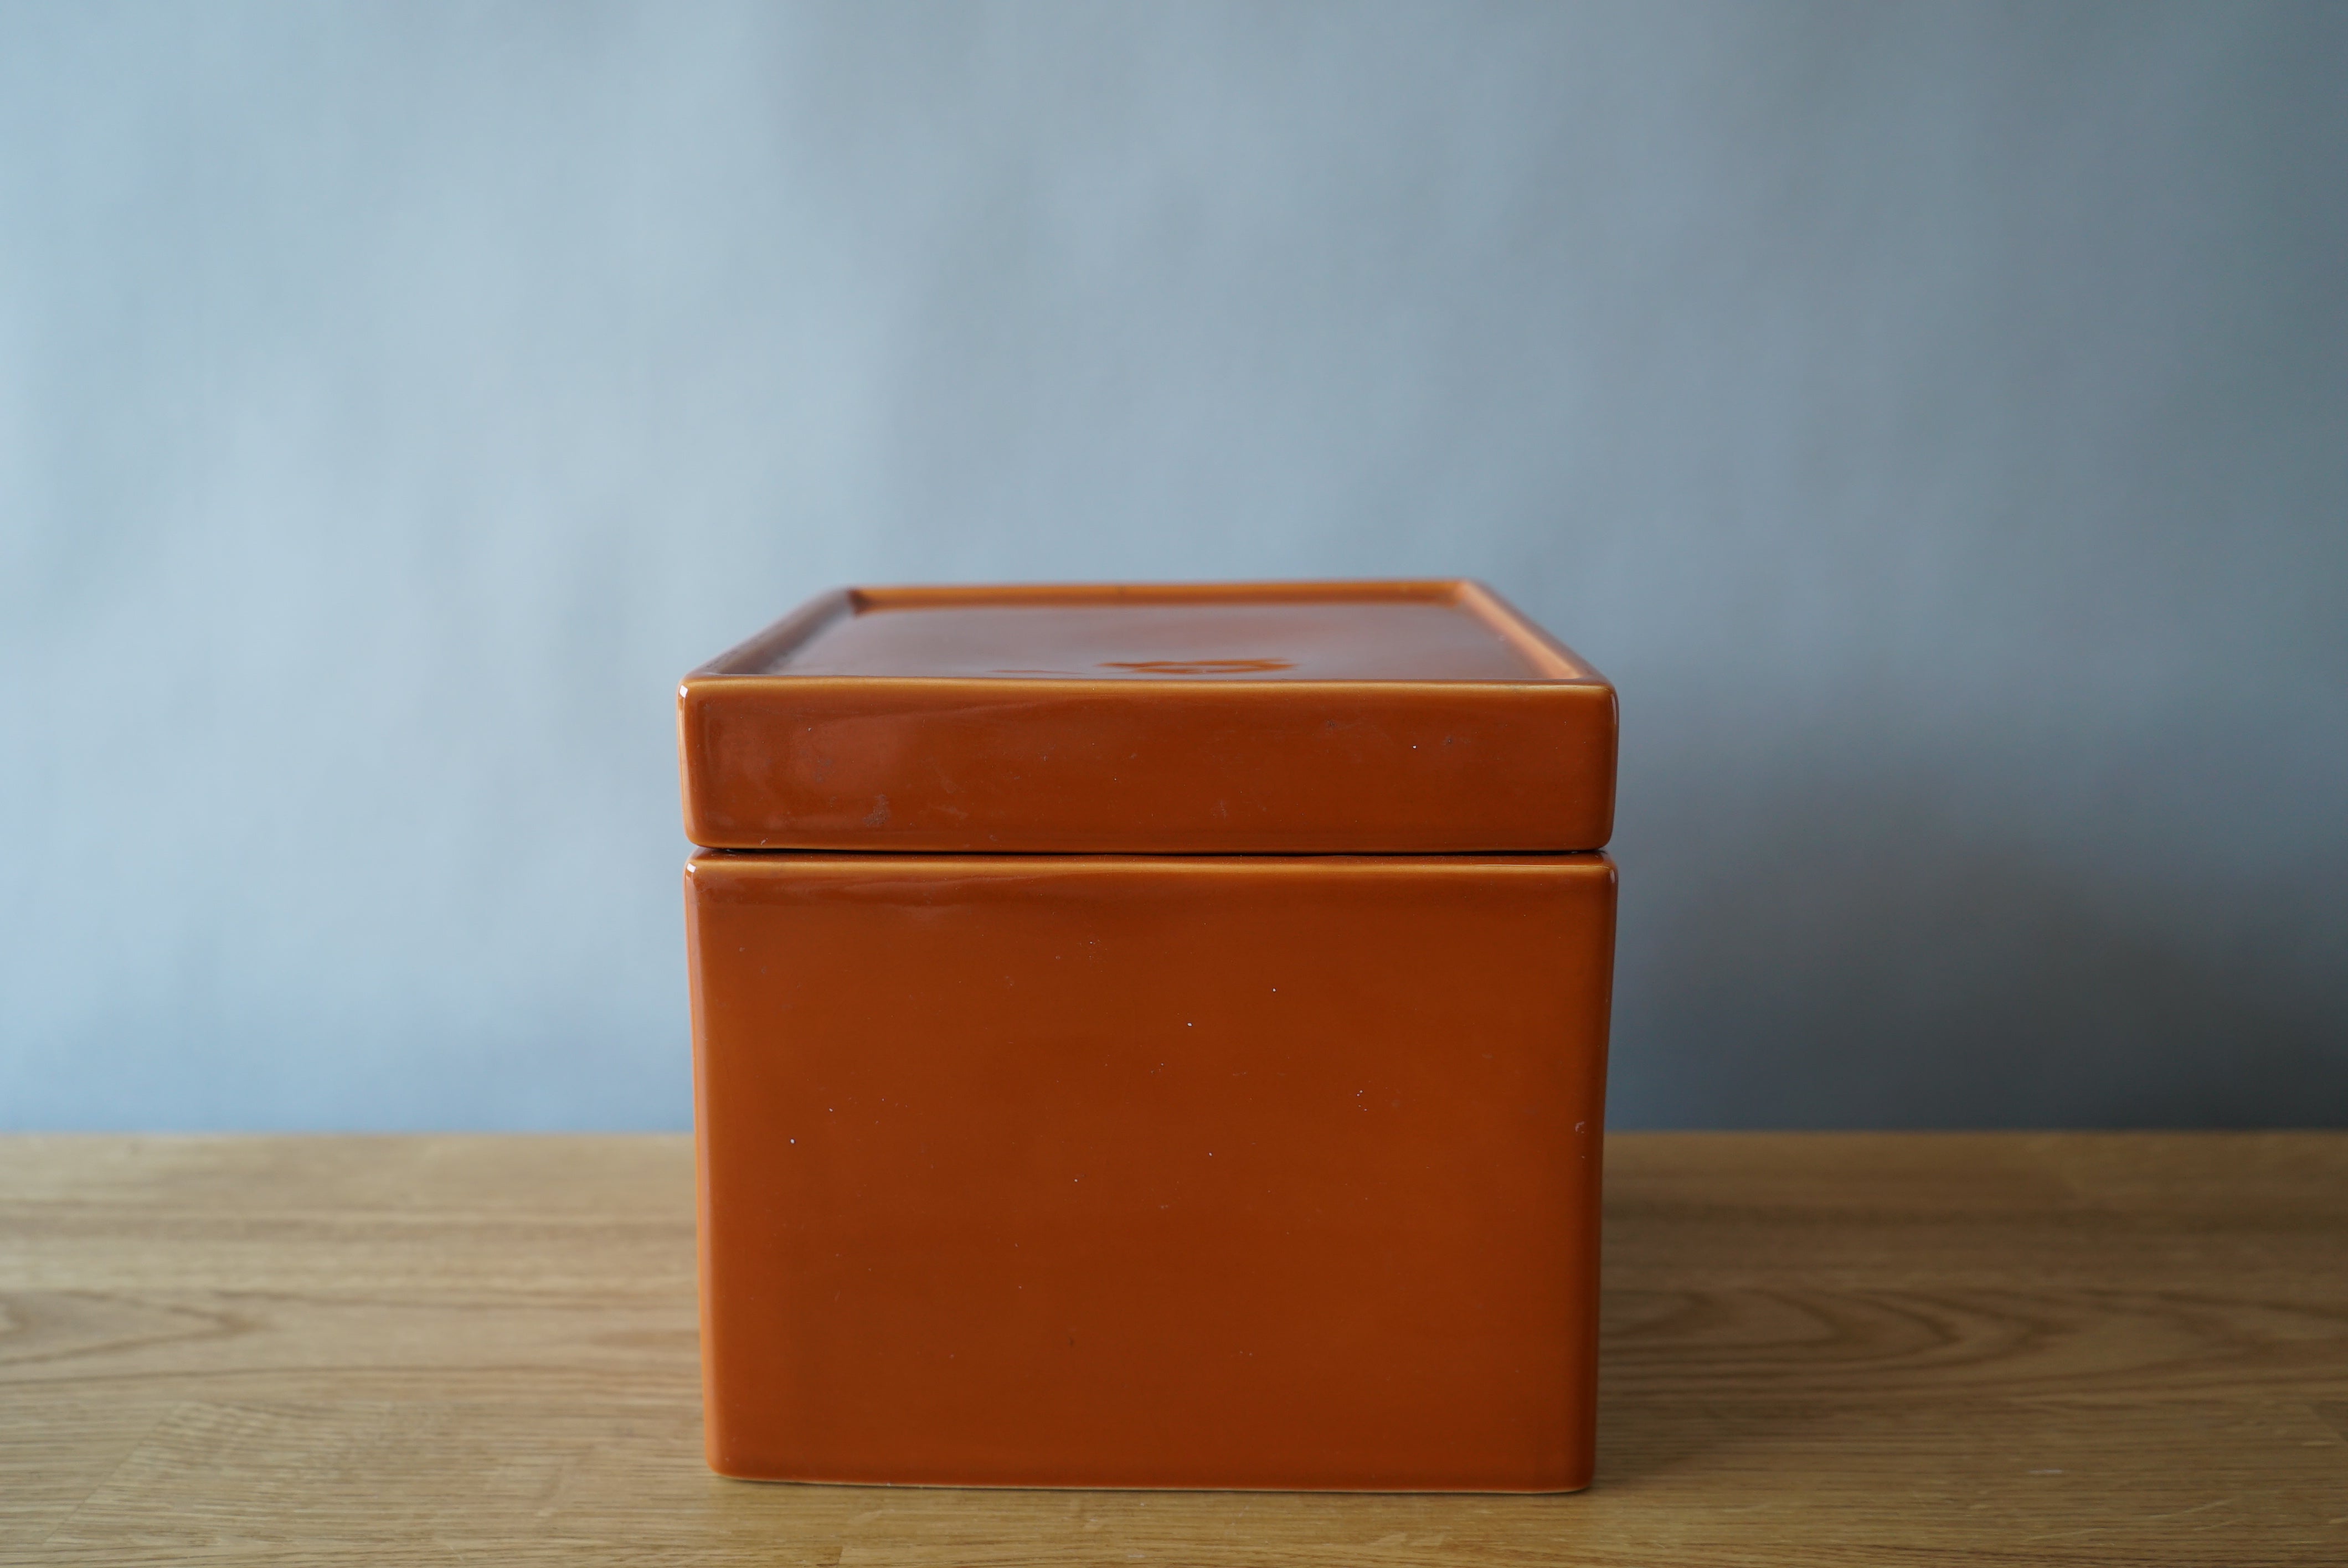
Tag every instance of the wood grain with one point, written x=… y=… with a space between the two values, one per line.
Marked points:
x=2058 y=1349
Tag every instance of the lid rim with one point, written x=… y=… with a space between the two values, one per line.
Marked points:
x=755 y=658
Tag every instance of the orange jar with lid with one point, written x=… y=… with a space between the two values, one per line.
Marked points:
x=1150 y=1037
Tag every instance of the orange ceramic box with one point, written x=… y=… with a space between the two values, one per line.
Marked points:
x=1151 y=1037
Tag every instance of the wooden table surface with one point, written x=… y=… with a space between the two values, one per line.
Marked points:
x=1819 y=1349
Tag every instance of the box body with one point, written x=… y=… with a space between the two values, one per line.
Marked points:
x=1111 y=1171
x=1151 y=1037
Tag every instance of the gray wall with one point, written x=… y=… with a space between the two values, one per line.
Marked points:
x=1935 y=419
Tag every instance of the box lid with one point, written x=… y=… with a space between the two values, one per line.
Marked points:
x=1324 y=717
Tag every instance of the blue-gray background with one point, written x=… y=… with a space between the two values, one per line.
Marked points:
x=1934 y=418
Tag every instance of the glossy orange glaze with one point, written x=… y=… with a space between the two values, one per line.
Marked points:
x=1272 y=1172
x=1284 y=718
x=1169 y=1165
